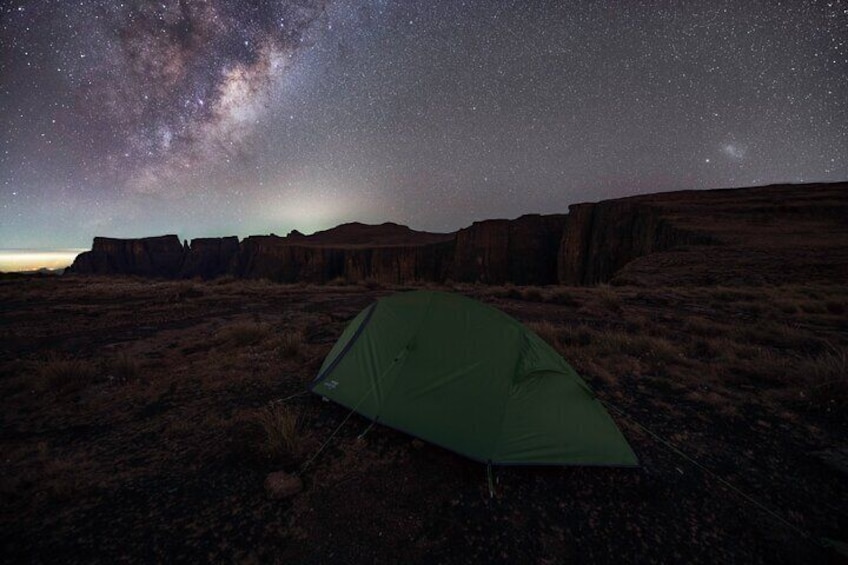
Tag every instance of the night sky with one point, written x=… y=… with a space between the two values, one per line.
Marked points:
x=241 y=117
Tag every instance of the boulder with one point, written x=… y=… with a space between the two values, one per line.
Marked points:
x=280 y=485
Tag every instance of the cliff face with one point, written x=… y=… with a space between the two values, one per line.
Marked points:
x=521 y=251
x=768 y=234
x=275 y=259
x=148 y=257
x=599 y=239
x=210 y=257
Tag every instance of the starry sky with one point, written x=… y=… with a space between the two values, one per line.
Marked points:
x=222 y=117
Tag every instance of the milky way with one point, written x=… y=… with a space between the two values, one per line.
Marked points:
x=235 y=117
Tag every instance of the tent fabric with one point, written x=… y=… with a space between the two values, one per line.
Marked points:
x=464 y=375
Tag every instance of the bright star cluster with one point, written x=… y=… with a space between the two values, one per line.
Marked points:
x=218 y=117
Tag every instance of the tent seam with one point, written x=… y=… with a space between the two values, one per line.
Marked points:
x=406 y=347
x=320 y=378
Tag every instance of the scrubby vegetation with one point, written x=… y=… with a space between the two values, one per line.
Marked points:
x=243 y=334
x=64 y=375
x=281 y=428
x=149 y=423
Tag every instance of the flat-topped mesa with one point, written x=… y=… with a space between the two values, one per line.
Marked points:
x=771 y=235
x=160 y=256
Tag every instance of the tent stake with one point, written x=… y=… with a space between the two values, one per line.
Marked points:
x=371 y=425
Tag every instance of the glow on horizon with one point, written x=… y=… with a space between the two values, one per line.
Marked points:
x=20 y=260
x=318 y=207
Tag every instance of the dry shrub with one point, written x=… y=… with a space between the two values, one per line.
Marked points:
x=609 y=298
x=547 y=331
x=713 y=349
x=497 y=291
x=509 y=290
x=122 y=368
x=704 y=327
x=725 y=294
x=828 y=373
x=184 y=290
x=563 y=298
x=291 y=343
x=371 y=284
x=581 y=335
x=282 y=432
x=655 y=350
x=749 y=363
x=225 y=280
x=532 y=294
x=775 y=334
x=64 y=376
x=619 y=351
x=243 y=334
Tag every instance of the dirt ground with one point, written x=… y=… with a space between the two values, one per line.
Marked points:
x=130 y=430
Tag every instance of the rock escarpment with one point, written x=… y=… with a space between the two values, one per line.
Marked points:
x=521 y=251
x=768 y=234
x=147 y=257
x=599 y=239
x=210 y=257
x=277 y=259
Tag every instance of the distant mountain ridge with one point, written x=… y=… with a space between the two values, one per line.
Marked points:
x=768 y=234
x=356 y=233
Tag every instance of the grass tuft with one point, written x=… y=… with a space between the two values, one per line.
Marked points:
x=123 y=368
x=532 y=294
x=243 y=334
x=65 y=376
x=338 y=281
x=828 y=372
x=563 y=298
x=282 y=432
x=291 y=343
x=371 y=284
x=609 y=298
x=547 y=331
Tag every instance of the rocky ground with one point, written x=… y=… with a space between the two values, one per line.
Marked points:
x=132 y=429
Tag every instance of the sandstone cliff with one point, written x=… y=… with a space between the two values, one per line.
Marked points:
x=277 y=259
x=521 y=251
x=599 y=239
x=759 y=235
x=764 y=234
x=210 y=257
x=148 y=257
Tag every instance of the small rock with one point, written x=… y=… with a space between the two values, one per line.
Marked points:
x=282 y=485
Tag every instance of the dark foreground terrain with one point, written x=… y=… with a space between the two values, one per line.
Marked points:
x=135 y=416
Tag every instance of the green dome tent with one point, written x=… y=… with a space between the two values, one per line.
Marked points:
x=465 y=376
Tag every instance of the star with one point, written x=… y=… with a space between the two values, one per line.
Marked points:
x=236 y=116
